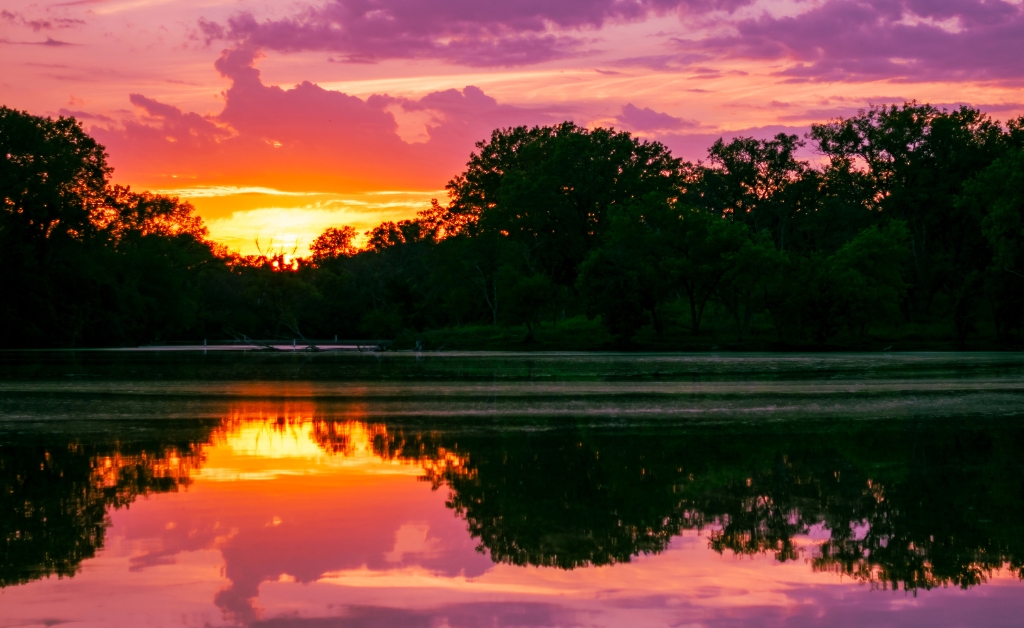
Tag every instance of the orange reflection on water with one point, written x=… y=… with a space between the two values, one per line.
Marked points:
x=260 y=443
x=288 y=518
x=109 y=471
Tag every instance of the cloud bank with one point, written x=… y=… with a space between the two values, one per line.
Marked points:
x=918 y=40
x=467 y=32
x=303 y=138
x=831 y=40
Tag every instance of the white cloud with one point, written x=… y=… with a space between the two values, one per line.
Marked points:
x=211 y=191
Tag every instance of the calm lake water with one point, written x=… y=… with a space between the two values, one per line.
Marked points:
x=289 y=489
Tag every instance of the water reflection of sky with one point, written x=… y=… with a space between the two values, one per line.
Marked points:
x=288 y=520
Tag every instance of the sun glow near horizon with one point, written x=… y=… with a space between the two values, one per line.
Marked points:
x=254 y=220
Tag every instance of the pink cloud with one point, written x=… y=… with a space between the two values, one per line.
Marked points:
x=37 y=25
x=469 y=32
x=306 y=137
x=833 y=40
x=912 y=40
x=50 y=42
x=647 y=119
x=693 y=146
x=84 y=115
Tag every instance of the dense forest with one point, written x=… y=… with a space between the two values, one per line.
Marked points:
x=906 y=230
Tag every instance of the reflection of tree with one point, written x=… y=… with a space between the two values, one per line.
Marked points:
x=346 y=438
x=554 y=499
x=55 y=491
x=903 y=504
x=952 y=513
x=912 y=506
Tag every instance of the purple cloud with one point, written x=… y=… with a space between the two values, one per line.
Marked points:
x=186 y=128
x=469 y=32
x=832 y=40
x=18 y=19
x=693 y=146
x=49 y=42
x=647 y=119
x=69 y=113
x=914 y=40
x=252 y=107
x=211 y=30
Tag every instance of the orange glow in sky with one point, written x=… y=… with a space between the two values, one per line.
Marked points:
x=278 y=120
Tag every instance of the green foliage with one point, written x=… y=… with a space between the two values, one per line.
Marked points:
x=870 y=270
x=549 y=189
x=910 y=228
x=1000 y=189
x=917 y=159
x=759 y=183
x=53 y=177
x=610 y=284
x=381 y=324
x=656 y=251
x=84 y=262
x=815 y=296
x=527 y=297
x=997 y=193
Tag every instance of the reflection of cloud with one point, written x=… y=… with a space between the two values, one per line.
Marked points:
x=413 y=539
x=337 y=495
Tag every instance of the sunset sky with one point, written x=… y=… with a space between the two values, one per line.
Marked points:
x=278 y=119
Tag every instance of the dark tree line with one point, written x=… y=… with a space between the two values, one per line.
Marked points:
x=909 y=226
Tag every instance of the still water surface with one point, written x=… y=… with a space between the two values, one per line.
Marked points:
x=466 y=490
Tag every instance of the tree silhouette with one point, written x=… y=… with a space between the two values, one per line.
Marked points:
x=905 y=234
